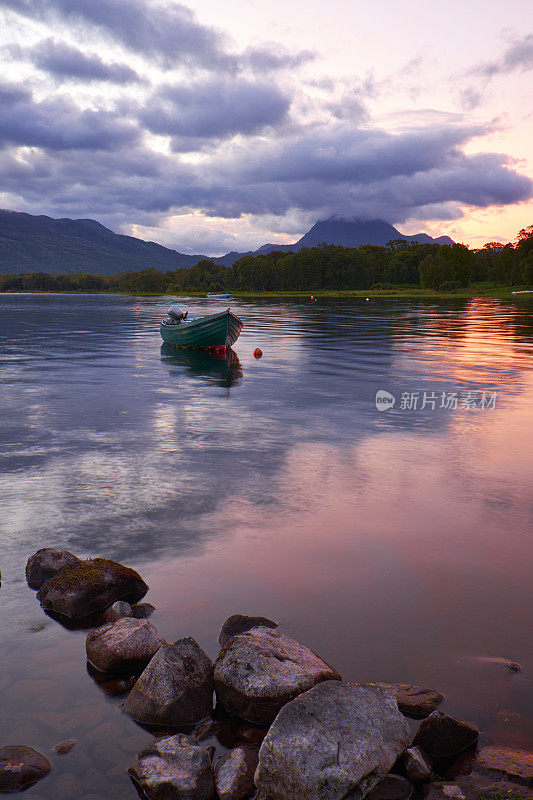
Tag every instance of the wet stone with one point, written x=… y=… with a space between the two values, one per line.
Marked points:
x=513 y=763
x=142 y=610
x=44 y=695
x=175 y=689
x=174 y=769
x=333 y=742
x=91 y=586
x=125 y=645
x=240 y=623
x=258 y=672
x=206 y=731
x=117 y=611
x=62 y=748
x=414 y=701
x=441 y=736
x=445 y=791
x=234 y=773
x=21 y=767
x=391 y=787
x=46 y=563
x=66 y=787
x=416 y=765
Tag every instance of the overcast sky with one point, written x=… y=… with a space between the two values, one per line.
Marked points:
x=234 y=124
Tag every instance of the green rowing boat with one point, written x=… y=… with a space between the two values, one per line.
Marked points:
x=213 y=331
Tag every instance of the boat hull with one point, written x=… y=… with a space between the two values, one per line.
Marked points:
x=213 y=331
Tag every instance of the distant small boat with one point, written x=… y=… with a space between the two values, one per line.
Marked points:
x=524 y=291
x=215 y=331
x=217 y=296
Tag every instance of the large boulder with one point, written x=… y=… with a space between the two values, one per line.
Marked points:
x=175 y=689
x=21 y=767
x=507 y=762
x=414 y=701
x=126 y=645
x=234 y=773
x=259 y=671
x=441 y=736
x=46 y=563
x=240 y=623
x=336 y=741
x=87 y=587
x=174 y=769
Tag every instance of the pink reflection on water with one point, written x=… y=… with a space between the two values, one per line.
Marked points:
x=402 y=557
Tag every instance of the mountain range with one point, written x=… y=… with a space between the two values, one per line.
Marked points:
x=31 y=243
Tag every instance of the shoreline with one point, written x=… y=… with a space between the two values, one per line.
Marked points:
x=473 y=292
x=236 y=726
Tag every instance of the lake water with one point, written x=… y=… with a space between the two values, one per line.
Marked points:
x=397 y=544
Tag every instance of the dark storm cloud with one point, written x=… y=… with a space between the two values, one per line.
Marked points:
x=346 y=171
x=63 y=61
x=57 y=123
x=213 y=109
x=517 y=57
x=350 y=154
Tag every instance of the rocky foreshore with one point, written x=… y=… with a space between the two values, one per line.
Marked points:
x=304 y=732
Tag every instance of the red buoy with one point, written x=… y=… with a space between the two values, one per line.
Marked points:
x=138 y=308
x=258 y=353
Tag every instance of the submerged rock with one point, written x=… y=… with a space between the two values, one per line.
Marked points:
x=414 y=701
x=85 y=587
x=445 y=790
x=234 y=773
x=417 y=767
x=62 y=748
x=259 y=671
x=21 y=767
x=441 y=735
x=240 y=623
x=337 y=740
x=506 y=761
x=391 y=787
x=174 y=769
x=125 y=645
x=477 y=786
x=176 y=688
x=46 y=563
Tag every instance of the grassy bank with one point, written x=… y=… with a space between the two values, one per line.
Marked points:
x=469 y=292
x=475 y=290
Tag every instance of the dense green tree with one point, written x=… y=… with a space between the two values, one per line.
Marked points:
x=434 y=270
x=313 y=269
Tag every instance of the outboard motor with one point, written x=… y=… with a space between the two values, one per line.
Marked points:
x=176 y=314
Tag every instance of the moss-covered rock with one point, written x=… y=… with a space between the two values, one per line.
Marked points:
x=46 y=563
x=86 y=587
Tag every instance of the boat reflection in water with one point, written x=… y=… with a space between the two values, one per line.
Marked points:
x=223 y=369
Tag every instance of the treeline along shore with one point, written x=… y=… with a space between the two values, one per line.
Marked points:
x=327 y=267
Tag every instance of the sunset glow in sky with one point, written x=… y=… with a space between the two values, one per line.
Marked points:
x=228 y=125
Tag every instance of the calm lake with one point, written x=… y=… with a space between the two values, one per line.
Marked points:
x=395 y=543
